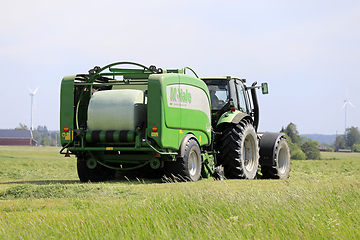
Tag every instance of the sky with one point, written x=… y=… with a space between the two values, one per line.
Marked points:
x=307 y=51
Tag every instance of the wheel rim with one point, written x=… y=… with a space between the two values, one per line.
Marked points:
x=282 y=160
x=248 y=153
x=193 y=163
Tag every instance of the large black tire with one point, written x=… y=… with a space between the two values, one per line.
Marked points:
x=187 y=168
x=98 y=174
x=239 y=151
x=281 y=169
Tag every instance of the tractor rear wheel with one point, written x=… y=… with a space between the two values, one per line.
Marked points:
x=239 y=150
x=187 y=168
x=97 y=174
x=281 y=169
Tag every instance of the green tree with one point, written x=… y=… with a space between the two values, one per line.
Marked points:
x=292 y=132
x=295 y=151
x=42 y=129
x=339 y=143
x=329 y=149
x=310 y=148
x=55 y=138
x=297 y=154
x=356 y=147
x=22 y=127
x=45 y=141
x=41 y=132
x=352 y=136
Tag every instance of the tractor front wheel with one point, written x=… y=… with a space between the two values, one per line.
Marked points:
x=239 y=150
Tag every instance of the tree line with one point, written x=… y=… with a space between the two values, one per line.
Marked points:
x=305 y=148
x=351 y=140
x=42 y=135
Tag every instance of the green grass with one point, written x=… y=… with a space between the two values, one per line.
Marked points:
x=41 y=197
x=35 y=163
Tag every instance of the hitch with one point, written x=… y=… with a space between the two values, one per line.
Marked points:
x=67 y=154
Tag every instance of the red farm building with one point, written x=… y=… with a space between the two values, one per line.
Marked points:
x=17 y=138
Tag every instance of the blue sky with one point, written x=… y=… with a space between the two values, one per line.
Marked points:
x=307 y=51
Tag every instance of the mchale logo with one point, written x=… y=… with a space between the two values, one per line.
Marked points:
x=178 y=95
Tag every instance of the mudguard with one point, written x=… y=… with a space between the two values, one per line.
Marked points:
x=268 y=148
x=232 y=117
x=183 y=144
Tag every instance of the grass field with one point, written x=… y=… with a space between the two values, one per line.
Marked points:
x=41 y=198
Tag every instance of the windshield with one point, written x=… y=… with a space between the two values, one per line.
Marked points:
x=218 y=93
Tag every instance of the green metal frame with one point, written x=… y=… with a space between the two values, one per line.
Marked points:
x=126 y=73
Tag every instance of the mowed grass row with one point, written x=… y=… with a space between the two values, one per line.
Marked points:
x=44 y=199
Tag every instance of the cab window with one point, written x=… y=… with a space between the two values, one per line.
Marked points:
x=241 y=94
x=218 y=93
x=233 y=92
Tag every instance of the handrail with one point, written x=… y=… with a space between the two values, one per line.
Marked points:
x=93 y=77
x=191 y=71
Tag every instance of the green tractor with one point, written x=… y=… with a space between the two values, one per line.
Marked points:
x=164 y=122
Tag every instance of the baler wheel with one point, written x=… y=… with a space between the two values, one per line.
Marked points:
x=187 y=168
x=239 y=150
x=98 y=174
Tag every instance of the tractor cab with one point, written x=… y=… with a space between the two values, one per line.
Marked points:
x=227 y=94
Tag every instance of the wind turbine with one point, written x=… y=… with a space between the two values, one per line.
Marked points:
x=32 y=94
x=345 y=105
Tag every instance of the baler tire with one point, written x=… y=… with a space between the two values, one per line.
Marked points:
x=145 y=172
x=281 y=169
x=187 y=168
x=239 y=151
x=98 y=174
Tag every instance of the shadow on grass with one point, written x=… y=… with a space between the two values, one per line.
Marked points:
x=41 y=182
x=66 y=182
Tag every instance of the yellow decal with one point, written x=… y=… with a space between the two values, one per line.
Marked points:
x=200 y=138
x=67 y=136
x=181 y=131
x=109 y=148
x=154 y=134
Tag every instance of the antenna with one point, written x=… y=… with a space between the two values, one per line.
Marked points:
x=32 y=94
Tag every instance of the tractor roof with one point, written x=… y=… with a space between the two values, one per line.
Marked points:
x=223 y=78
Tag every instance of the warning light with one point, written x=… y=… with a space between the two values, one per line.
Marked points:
x=157 y=155
x=154 y=128
x=66 y=128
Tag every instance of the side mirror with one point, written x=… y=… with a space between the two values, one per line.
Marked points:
x=264 y=88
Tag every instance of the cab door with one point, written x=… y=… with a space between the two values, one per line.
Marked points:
x=243 y=104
